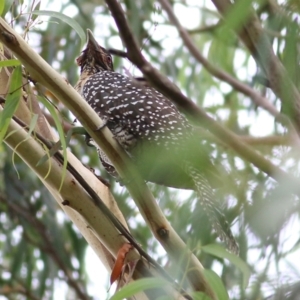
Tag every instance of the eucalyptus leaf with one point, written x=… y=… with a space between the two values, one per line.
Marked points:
x=60 y=130
x=1 y=7
x=10 y=63
x=138 y=286
x=216 y=284
x=221 y=252
x=66 y=19
x=12 y=101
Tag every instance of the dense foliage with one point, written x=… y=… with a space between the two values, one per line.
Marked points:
x=40 y=249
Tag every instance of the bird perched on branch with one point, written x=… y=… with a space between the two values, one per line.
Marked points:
x=152 y=131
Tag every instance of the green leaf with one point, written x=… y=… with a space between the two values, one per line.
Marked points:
x=12 y=101
x=18 y=254
x=1 y=7
x=221 y=252
x=44 y=275
x=235 y=18
x=291 y=54
x=238 y=14
x=66 y=19
x=165 y=298
x=60 y=130
x=200 y=296
x=9 y=63
x=32 y=125
x=29 y=263
x=36 y=8
x=216 y=284
x=7 y=6
x=139 y=286
x=221 y=55
x=33 y=122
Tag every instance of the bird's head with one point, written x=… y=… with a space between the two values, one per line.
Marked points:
x=94 y=58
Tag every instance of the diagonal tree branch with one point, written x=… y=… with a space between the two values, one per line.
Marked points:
x=72 y=197
x=27 y=106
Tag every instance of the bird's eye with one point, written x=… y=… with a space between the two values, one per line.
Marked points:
x=108 y=59
x=78 y=61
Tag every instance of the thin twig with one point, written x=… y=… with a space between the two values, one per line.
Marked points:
x=118 y=52
x=256 y=40
x=204 y=29
x=216 y=72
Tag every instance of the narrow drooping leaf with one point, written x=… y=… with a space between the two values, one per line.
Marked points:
x=139 y=286
x=33 y=123
x=220 y=252
x=12 y=101
x=1 y=7
x=6 y=6
x=60 y=130
x=36 y=8
x=10 y=63
x=31 y=128
x=216 y=284
x=200 y=296
x=64 y=18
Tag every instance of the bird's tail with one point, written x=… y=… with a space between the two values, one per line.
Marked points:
x=215 y=215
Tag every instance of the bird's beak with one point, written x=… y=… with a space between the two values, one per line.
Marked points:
x=91 y=42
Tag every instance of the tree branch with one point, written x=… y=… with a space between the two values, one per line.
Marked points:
x=73 y=196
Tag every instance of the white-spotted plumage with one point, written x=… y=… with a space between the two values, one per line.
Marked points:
x=151 y=130
x=134 y=112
